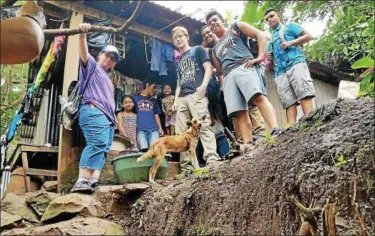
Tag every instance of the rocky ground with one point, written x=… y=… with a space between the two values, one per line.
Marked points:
x=325 y=163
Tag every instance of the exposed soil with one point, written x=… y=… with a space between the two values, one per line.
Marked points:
x=316 y=160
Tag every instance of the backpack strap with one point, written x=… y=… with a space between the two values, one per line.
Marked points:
x=192 y=51
x=194 y=57
x=80 y=93
x=236 y=31
x=281 y=33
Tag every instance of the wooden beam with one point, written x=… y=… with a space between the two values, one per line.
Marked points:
x=65 y=157
x=42 y=172
x=25 y=164
x=39 y=149
x=93 y=13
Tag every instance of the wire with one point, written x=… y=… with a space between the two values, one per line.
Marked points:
x=188 y=15
x=67 y=18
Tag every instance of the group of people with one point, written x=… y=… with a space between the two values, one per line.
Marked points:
x=228 y=57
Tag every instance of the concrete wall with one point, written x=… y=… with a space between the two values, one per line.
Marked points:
x=324 y=92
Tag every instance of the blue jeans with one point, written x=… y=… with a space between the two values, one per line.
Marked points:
x=98 y=132
x=146 y=138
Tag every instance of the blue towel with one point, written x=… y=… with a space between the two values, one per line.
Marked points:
x=13 y=127
x=167 y=53
x=157 y=63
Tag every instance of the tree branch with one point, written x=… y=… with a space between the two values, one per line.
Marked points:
x=4 y=107
x=96 y=28
x=7 y=3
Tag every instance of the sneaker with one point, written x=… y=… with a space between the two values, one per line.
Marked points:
x=95 y=184
x=213 y=163
x=246 y=147
x=82 y=187
x=276 y=131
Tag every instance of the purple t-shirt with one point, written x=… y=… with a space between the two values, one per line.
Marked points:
x=100 y=89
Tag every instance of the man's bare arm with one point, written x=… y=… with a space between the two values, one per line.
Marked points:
x=255 y=33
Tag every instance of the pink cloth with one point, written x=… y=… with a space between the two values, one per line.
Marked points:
x=58 y=41
x=177 y=56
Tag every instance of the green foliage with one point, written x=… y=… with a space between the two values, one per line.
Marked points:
x=365 y=62
x=254 y=11
x=13 y=87
x=367 y=83
x=199 y=173
x=268 y=138
x=349 y=37
x=340 y=160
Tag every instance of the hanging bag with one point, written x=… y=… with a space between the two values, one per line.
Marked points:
x=70 y=107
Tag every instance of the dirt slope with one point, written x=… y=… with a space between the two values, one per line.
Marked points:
x=248 y=195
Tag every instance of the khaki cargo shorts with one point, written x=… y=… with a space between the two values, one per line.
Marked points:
x=294 y=85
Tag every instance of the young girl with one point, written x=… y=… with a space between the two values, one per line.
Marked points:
x=127 y=120
x=167 y=103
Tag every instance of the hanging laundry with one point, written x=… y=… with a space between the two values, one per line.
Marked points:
x=58 y=41
x=167 y=53
x=13 y=126
x=45 y=66
x=50 y=57
x=157 y=64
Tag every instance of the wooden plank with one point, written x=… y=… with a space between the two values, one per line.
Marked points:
x=25 y=164
x=42 y=172
x=90 y=12
x=39 y=149
x=65 y=156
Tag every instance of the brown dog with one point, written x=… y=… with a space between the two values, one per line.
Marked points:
x=183 y=142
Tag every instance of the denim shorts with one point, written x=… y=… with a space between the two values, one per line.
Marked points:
x=146 y=138
x=98 y=131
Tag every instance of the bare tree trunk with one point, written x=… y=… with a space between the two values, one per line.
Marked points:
x=9 y=86
x=95 y=28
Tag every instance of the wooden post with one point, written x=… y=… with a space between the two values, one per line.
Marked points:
x=66 y=157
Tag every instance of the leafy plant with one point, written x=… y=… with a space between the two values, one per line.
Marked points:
x=268 y=138
x=340 y=160
x=200 y=172
x=349 y=37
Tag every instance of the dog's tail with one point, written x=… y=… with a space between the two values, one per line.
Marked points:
x=147 y=155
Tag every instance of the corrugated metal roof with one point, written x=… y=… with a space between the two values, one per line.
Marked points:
x=153 y=15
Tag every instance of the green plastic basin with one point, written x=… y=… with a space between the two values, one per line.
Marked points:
x=128 y=170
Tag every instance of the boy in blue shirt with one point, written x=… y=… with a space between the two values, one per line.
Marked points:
x=292 y=76
x=148 y=121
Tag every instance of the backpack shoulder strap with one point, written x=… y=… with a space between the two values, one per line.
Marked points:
x=281 y=33
x=192 y=51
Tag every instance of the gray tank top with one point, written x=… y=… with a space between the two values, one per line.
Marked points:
x=231 y=51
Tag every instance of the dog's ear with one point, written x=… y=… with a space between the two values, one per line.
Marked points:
x=189 y=123
x=203 y=117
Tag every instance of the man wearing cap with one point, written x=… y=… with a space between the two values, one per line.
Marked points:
x=97 y=111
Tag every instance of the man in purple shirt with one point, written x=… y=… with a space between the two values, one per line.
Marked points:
x=97 y=111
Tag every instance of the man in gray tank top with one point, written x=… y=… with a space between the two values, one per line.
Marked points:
x=257 y=121
x=243 y=82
